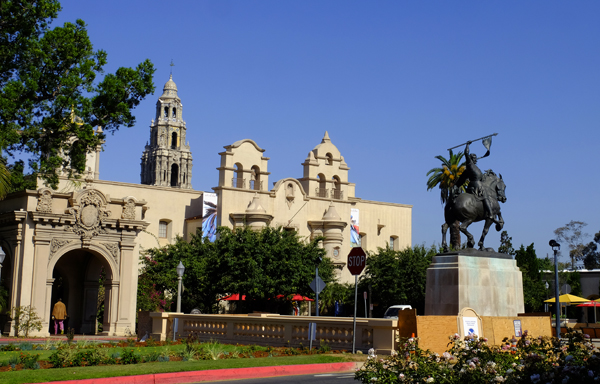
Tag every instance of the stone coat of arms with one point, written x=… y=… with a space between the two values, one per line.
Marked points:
x=89 y=210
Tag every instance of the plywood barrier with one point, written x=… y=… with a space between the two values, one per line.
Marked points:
x=433 y=332
x=497 y=328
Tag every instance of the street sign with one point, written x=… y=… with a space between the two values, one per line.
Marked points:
x=317 y=284
x=357 y=259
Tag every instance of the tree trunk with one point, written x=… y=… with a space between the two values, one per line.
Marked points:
x=455 y=235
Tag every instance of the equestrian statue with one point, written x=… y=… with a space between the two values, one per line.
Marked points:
x=479 y=202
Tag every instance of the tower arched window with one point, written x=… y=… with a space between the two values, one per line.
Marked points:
x=255 y=182
x=238 y=179
x=166 y=111
x=329 y=159
x=174 y=140
x=174 y=112
x=322 y=189
x=174 y=175
x=337 y=188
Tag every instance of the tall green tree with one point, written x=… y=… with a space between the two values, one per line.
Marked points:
x=506 y=244
x=397 y=277
x=591 y=256
x=50 y=95
x=258 y=265
x=445 y=177
x=534 y=288
x=572 y=233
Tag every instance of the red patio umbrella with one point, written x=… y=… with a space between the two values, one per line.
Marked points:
x=593 y=303
x=233 y=297
x=296 y=297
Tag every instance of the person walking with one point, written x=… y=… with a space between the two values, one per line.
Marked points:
x=59 y=314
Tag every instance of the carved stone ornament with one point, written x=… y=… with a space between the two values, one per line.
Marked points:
x=57 y=244
x=129 y=210
x=44 y=204
x=89 y=211
x=113 y=248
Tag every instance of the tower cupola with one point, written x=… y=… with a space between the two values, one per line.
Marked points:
x=167 y=160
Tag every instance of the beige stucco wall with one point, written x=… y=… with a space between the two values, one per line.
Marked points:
x=290 y=205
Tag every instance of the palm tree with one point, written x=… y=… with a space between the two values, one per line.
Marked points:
x=444 y=178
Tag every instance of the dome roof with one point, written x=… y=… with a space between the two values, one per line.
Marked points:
x=170 y=88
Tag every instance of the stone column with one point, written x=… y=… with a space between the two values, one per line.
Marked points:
x=111 y=303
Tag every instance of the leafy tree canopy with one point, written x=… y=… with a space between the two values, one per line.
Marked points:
x=259 y=265
x=50 y=98
x=591 y=256
x=534 y=288
x=572 y=234
x=398 y=277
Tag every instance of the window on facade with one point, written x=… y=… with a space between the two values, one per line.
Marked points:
x=394 y=243
x=174 y=139
x=162 y=229
x=329 y=160
x=174 y=112
x=166 y=111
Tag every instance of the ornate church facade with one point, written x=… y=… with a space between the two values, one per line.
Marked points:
x=59 y=242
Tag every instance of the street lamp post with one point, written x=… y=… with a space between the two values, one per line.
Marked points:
x=555 y=247
x=546 y=304
x=2 y=256
x=180 y=271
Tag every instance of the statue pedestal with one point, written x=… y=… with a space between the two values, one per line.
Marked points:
x=489 y=282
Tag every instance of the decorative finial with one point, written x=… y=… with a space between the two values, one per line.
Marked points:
x=172 y=65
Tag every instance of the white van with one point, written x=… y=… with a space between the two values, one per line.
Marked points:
x=392 y=312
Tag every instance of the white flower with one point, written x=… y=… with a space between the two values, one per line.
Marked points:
x=499 y=379
x=509 y=371
x=373 y=379
x=401 y=377
x=429 y=380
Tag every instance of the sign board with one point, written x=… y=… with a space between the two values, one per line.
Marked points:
x=470 y=326
x=317 y=285
x=518 y=329
x=469 y=323
x=357 y=259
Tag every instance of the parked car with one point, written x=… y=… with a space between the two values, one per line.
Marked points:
x=392 y=312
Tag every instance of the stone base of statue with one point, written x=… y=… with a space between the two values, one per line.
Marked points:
x=489 y=282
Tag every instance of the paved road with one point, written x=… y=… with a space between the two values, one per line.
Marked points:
x=325 y=378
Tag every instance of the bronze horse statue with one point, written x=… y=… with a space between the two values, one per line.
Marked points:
x=468 y=208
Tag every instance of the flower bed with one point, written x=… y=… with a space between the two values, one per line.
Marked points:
x=85 y=354
x=472 y=360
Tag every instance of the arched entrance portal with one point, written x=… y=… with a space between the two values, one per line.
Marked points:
x=76 y=280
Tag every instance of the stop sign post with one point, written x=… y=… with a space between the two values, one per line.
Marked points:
x=357 y=259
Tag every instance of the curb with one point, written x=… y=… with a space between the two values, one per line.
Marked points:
x=220 y=374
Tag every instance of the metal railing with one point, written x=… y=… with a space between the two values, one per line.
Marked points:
x=258 y=186
x=238 y=183
x=337 y=194
x=321 y=192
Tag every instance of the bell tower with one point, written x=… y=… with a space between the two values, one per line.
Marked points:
x=167 y=160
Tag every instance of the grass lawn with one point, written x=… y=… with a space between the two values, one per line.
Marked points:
x=77 y=373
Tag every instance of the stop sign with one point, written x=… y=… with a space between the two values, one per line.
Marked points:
x=357 y=259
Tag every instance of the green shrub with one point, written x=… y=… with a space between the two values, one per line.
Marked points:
x=29 y=360
x=324 y=348
x=129 y=357
x=25 y=320
x=62 y=357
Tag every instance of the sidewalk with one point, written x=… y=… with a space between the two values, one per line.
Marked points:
x=221 y=374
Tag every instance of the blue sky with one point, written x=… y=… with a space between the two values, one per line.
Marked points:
x=394 y=82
